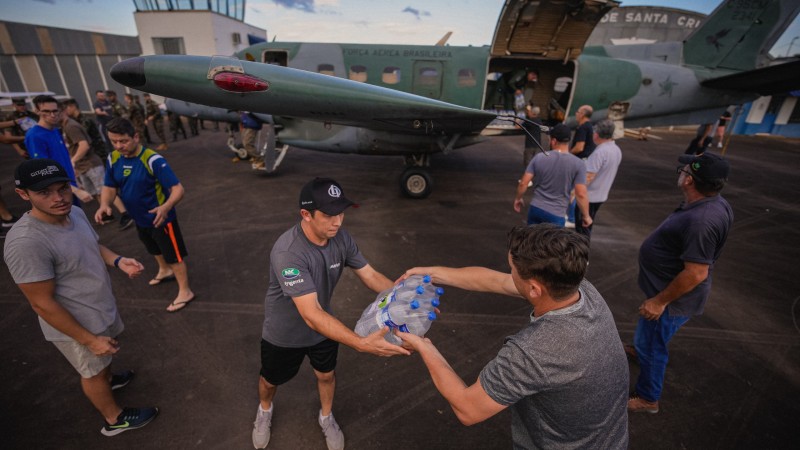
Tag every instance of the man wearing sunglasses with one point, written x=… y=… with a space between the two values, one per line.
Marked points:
x=675 y=265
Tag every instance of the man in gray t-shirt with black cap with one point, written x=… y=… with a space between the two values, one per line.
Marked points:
x=554 y=174
x=55 y=259
x=306 y=263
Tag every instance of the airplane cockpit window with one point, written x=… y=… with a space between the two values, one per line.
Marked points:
x=428 y=76
x=358 y=73
x=466 y=78
x=391 y=75
x=326 y=69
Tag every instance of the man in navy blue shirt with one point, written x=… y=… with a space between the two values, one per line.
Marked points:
x=150 y=190
x=675 y=265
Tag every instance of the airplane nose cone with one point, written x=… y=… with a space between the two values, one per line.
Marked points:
x=129 y=72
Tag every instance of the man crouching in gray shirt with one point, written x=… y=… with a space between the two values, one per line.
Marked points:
x=564 y=375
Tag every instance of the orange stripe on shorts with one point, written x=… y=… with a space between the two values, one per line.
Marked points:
x=171 y=234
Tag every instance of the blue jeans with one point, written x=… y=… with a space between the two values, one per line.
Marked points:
x=650 y=340
x=538 y=215
x=571 y=211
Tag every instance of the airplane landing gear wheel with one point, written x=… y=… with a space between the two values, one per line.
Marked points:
x=240 y=152
x=416 y=183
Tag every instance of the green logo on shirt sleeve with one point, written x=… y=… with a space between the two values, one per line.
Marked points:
x=290 y=273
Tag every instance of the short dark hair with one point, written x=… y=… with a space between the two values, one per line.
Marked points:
x=39 y=99
x=111 y=93
x=69 y=102
x=121 y=125
x=553 y=255
x=99 y=91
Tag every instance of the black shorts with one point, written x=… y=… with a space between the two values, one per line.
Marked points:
x=281 y=364
x=166 y=241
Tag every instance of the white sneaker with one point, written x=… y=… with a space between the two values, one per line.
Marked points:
x=719 y=145
x=261 y=427
x=333 y=434
x=568 y=224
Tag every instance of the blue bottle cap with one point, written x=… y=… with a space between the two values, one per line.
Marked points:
x=431 y=315
x=426 y=279
x=420 y=290
x=435 y=302
x=414 y=304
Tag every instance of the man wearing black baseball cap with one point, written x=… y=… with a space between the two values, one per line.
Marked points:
x=306 y=263
x=675 y=266
x=55 y=259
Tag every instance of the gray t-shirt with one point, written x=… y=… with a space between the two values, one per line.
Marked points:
x=603 y=162
x=298 y=267
x=565 y=377
x=555 y=174
x=69 y=254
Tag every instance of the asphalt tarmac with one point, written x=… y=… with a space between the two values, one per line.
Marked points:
x=733 y=379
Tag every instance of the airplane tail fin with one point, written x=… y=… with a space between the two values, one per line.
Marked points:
x=738 y=34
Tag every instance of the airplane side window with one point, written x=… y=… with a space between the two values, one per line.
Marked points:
x=466 y=78
x=358 y=73
x=391 y=75
x=326 y=69
x=428 y=76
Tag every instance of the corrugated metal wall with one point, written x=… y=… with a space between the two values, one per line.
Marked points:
x=68 y=62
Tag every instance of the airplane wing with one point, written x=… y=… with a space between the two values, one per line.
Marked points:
x=234 y=84
x=768 y=80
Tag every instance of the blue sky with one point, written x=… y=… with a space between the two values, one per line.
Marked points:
x=364 y=21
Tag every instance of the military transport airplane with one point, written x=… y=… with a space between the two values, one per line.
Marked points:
x=414 y=101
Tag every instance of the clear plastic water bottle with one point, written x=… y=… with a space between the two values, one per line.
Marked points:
x=367 y=323
x=408 y=306
x=418 y=287
x=410 y=318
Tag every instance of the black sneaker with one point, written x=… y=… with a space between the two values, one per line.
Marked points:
x=10 y=222
x=120 y=380
x=125 y=221
x=107 y=218
x=130 y=419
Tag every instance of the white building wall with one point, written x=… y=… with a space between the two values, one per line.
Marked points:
x=204 y=33
x=225 y=27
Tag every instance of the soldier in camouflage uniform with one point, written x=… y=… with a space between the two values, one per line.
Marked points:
x=20 y=111
x=153 y=114
x=117 y=109
x=136 y=116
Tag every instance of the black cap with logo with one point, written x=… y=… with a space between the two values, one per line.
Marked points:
x=37 y=174
x=707 y=166
x=326 y=195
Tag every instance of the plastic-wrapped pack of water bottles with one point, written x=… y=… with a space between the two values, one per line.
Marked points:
x=408 y=306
